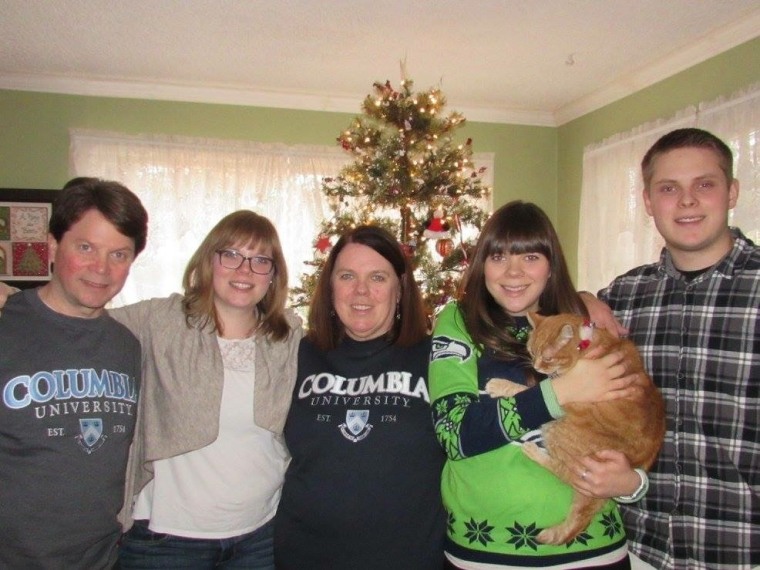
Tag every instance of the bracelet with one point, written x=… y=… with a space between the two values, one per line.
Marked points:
x=639 y=493
x=550 y=399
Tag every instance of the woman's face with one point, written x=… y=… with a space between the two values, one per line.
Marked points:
x=241 y=288
x=516 y=281
x=366 y=291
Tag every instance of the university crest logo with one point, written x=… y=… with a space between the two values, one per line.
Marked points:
x=356 y=428
x=91 y=436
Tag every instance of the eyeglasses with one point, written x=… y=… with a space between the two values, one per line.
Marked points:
x=259 y=264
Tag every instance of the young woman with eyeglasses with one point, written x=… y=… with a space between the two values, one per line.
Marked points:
x=219 y=366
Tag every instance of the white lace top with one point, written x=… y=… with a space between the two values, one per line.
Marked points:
x=231 y=486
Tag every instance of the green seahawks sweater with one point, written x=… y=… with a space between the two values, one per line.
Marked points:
x=497 y=499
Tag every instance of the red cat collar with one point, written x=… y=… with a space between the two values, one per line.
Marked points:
x=586 y=334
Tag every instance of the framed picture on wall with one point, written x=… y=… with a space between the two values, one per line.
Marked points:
x=24 y=257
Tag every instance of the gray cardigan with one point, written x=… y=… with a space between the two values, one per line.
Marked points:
x=182 y=383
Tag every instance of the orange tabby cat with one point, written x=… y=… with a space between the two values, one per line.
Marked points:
x=634 y=426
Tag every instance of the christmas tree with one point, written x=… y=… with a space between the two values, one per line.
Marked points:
x=31 y=263
x=410 y=176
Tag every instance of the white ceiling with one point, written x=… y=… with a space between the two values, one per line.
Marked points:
x=540 y=62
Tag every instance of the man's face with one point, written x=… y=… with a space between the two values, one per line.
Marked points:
x=92 y=262
x=689 y=199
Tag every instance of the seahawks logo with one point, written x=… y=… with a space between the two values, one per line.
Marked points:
x=445 y=347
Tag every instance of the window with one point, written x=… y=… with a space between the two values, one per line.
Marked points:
x=188 y=184
x=615 y=232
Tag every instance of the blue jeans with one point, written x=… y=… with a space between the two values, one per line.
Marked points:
x=143 y=549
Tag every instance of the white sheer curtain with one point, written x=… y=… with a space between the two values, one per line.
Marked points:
x=615 y=232
x=188 y=184
x=737 y=122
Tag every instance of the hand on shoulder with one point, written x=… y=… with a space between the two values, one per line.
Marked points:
x=601 y=314
x=5 y=292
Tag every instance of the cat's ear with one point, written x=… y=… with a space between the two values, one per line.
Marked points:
x=534 y=319
x=551 y=349
x=565 y=335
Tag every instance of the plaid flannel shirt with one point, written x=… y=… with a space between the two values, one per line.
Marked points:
x=700 y=341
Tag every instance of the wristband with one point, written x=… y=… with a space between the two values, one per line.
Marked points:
x=550 y=399
x=639 y=493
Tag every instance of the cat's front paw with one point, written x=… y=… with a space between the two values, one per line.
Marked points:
x=501 y=388
x=536 y=453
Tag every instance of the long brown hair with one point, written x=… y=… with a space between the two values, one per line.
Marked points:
x=515 y=228
x=326 y=330
x=243 y=226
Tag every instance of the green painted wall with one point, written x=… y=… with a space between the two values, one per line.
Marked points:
x=721 y=75
x=525 y=164
x=34 y=137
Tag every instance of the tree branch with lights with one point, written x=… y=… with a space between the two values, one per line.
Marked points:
x=410 y=176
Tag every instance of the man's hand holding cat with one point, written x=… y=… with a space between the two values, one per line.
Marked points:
x=601 y=315
x=595 y=380
x=604 y=475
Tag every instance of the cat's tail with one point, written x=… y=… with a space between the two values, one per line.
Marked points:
x=581 y=514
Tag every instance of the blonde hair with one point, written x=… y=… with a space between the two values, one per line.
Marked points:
x=243 y=226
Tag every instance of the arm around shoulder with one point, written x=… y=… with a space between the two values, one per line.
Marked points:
x=138 y=317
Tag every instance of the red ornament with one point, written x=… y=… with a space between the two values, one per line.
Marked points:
x=408 y=250
x=436 y=224
x=437 y=227
x=323 y=244
x=444 y=246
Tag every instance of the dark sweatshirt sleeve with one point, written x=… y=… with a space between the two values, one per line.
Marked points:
x=467 y=422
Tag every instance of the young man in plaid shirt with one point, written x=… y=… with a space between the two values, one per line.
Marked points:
x=695 y=317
